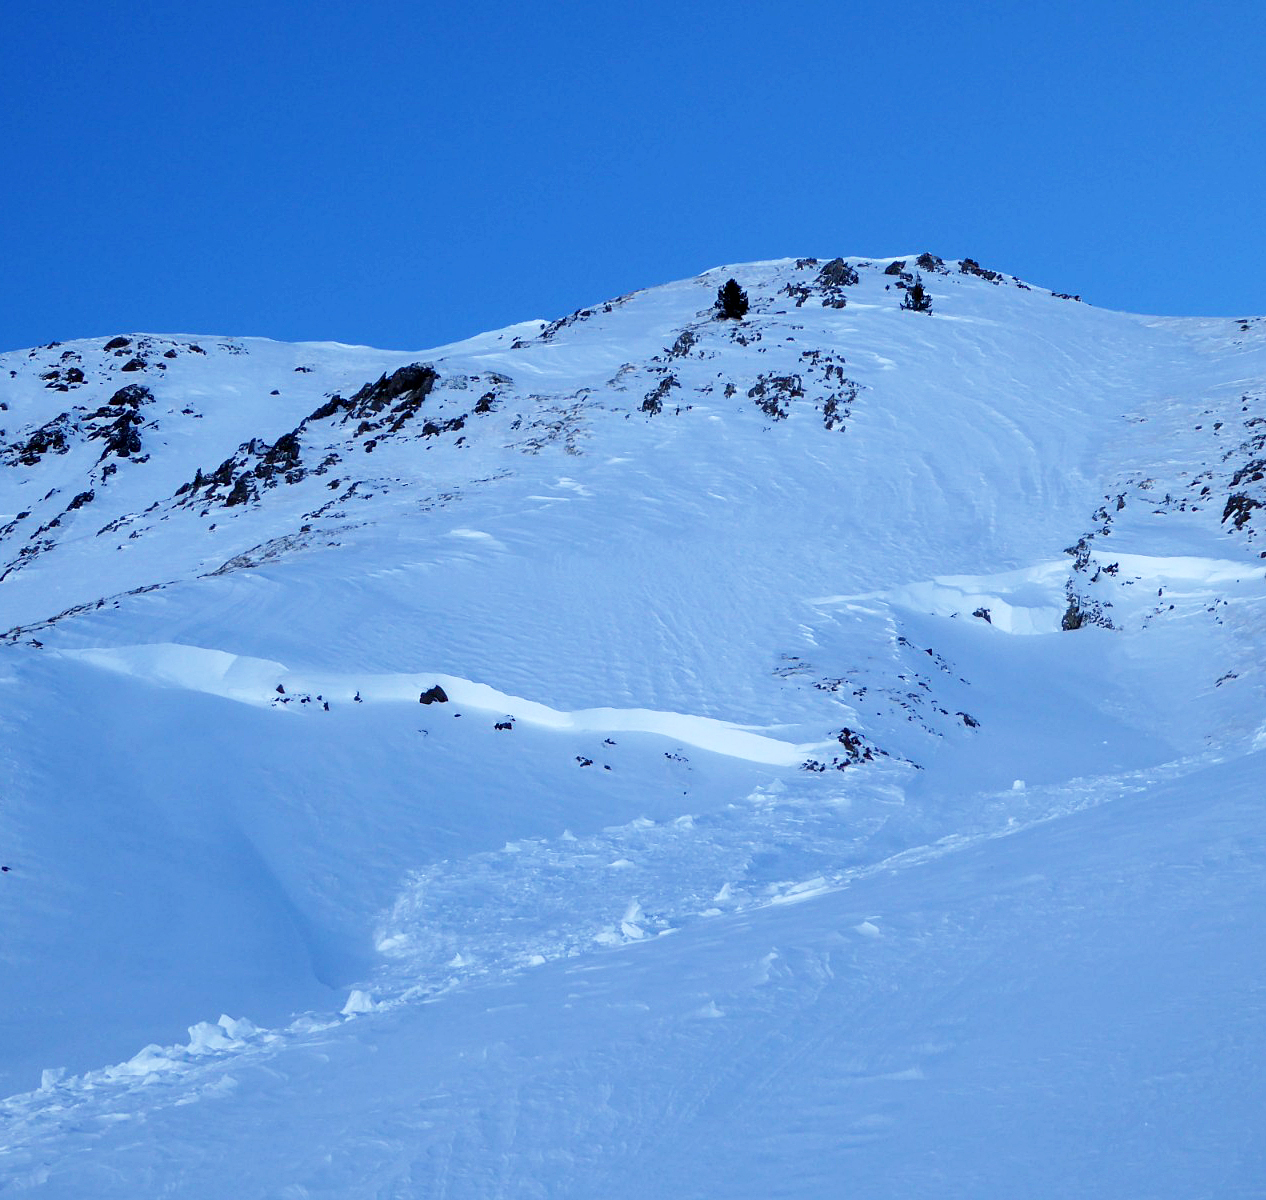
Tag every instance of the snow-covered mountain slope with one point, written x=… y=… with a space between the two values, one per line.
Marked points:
x=904 y=667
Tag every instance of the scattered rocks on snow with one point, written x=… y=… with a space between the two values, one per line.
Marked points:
x=773 y=394
x=971 y=267
x=654 y=401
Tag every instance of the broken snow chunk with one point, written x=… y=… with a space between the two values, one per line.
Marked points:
x=238 y=1028
x=358 y=1002
x=205 y=1038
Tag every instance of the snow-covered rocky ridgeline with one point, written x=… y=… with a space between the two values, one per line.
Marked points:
x=905 y=667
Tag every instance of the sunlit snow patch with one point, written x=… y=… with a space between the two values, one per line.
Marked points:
x=1031 y=600
x=260 y=681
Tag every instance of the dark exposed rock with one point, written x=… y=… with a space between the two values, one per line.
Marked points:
x=240 y=494
x=684 y=343
x=434 y=695
x=1250 y=472
x=435 y=428
x=283 y=454
x=49 y=438
x=774 y=393
x=930 y=262
x=334 y=404
x=895 y=268
x=856 y=751
x=1081 y=612
x=416 y=379
x=134 y=364
x=1238 y=508
x=122 y=434
x=133 y=395
x=223 y=474
x=118 y=343
x=404 y=391
x=654 y=400
x=837 y=274
x=799 y=292
x=832 y=280
x=255 y=462
x=554 y=327
x=971 y=267
x=80 y=500
x=855 y=747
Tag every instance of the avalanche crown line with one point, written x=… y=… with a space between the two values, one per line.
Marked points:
x=257 y=680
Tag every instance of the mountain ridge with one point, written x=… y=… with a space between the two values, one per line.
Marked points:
x=828 y=629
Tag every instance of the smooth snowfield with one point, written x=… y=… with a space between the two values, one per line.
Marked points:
x=850 y=779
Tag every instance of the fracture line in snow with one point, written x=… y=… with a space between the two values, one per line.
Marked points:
x=1033 y=600
x=255 y=681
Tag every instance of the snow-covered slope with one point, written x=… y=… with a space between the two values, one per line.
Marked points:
x=904 y=667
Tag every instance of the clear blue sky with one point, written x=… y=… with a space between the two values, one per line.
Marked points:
x=403 y=174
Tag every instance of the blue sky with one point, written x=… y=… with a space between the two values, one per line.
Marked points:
x=404 y=174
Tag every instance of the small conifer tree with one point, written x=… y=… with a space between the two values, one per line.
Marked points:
x=732 y=301
x=917 y=299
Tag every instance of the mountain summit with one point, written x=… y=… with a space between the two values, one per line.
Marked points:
x=811 y=749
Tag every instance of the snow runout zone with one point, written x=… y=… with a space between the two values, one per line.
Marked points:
x=864 y=794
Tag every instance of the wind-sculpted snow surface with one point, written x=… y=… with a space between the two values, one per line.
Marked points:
x=640 y=754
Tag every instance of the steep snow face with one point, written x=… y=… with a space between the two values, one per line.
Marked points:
x=335 y=681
